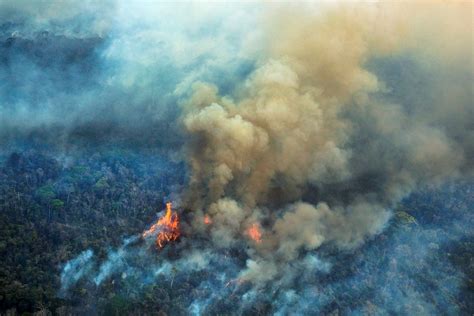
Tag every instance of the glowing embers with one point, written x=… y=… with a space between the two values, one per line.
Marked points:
x=254 y=233
x=166 y=228
x=207 y=220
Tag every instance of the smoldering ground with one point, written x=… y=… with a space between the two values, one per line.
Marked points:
x=405 y=269
x=312 y=121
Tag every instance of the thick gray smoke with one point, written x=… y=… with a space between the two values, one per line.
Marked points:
x=303 y=125
x=313 y=121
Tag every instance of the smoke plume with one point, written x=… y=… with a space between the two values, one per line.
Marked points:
x=303 y=126
x=310 y=146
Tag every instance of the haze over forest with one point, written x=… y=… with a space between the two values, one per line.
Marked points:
x=317 y=158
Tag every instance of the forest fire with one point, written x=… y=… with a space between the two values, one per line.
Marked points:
x=166 y=228
x=254 y=233
x=207 y=220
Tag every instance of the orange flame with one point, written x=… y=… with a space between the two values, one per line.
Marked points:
x=207 y=220
x=254 y=233
x=166 y=228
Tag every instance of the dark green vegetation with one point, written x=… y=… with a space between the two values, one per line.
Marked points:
x=53 y=207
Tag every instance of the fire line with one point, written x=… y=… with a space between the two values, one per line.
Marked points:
x=166 y=228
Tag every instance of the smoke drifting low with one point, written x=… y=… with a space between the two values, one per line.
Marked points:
x=108 y=72
x=304 y=124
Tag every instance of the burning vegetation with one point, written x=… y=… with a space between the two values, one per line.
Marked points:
x=207 y=220
x=298 y=157
x=254 y=233
x=166 y=228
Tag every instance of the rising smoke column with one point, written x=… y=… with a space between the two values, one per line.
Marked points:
x=312 y=120
x=312 y=144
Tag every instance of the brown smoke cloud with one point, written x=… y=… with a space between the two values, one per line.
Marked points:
x=311 y=119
